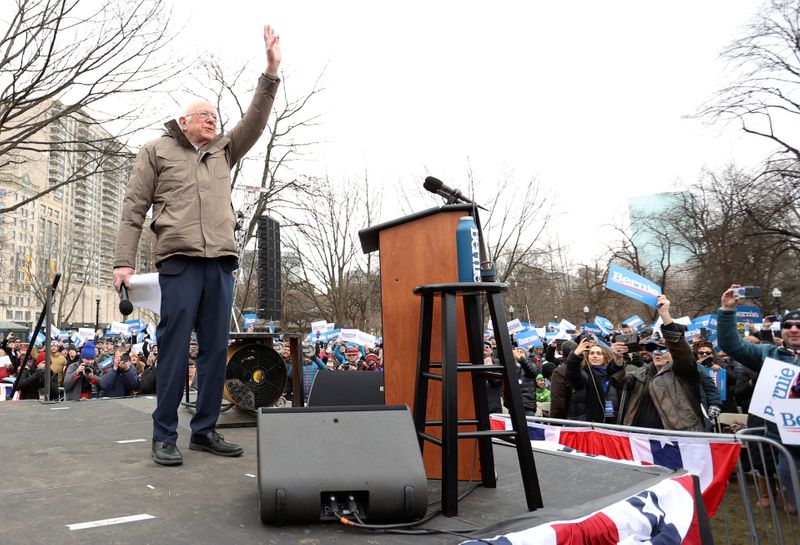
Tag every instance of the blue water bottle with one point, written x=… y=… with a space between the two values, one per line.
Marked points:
x=469 y=254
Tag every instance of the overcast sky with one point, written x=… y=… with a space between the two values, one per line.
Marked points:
x=588 y=98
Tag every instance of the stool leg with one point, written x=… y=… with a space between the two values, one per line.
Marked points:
x=474 y=321
x=449 y=407
x=423 y=366
x=527 y=466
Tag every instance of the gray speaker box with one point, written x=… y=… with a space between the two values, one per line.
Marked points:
x=309 y=455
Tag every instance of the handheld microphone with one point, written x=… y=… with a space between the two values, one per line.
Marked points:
x=435 y=185
x=125 y=305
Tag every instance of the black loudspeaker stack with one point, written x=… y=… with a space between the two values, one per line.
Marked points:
x=317 y=462
x=269 y=269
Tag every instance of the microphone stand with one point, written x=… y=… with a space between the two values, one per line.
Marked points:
x=45 y=314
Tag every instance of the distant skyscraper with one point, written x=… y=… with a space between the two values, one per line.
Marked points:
x=71 y=229
x=656 y=242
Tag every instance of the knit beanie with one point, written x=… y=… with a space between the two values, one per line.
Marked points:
x=88 y=351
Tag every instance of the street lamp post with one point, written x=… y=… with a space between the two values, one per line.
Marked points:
x=511 y=311
x=586 y=313
x=776 y=300
x=97 y=312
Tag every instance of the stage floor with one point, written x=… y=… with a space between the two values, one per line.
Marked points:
x=81 y=462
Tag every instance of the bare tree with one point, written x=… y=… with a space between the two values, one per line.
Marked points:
x=62 y=60
x=517 y=216
x=763 y=99
x=328 y=264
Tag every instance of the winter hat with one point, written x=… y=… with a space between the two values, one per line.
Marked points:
x=352 y=350
x=548 y=368
x=792 y=315
x=539 y=377
x=371 y=358
x=88 y=351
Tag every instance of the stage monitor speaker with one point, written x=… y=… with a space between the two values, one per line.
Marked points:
x=343 y=388
x=269 y=269
x=308 y=455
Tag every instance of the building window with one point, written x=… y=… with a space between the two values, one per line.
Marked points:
x=9 y=315
x=18 y=315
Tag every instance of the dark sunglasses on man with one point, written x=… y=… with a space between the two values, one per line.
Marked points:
x=788 y=325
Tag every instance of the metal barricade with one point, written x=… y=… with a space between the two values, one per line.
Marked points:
x=757 y=507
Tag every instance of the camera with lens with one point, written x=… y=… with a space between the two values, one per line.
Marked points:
x=631 y=341
x=87 y=371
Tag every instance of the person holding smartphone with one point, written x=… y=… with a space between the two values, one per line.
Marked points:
x=752 y=356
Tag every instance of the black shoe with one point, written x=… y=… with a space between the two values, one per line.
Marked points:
x=215 y=444
x=166 y=454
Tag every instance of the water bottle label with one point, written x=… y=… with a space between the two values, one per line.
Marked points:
x=476 y=254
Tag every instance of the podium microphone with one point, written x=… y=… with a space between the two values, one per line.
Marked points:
x=435 y=185
x=125 y=305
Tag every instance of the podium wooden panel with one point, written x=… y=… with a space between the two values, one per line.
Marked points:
x=421 y=249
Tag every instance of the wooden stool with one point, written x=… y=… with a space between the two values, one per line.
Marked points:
x=470 y=292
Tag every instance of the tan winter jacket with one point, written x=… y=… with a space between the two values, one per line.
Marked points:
x=189 y=189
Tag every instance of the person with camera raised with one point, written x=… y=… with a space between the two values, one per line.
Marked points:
x=121 y=380
x=595 y=398
x=752 y=356
x=80 y=377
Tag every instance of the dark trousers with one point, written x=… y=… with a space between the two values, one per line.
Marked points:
x=195 y=293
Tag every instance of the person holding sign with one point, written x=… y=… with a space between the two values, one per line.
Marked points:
x=665 y=393
x=185 y=177
x=752 y=356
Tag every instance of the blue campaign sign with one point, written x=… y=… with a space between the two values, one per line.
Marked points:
x=747 y=313
x=632 y=285
x=720 y=379
x=634 y=321
x=712 y=338
x=552 y=326
x=249 y=320
x=526 y=339
x=693 y=332
x=604 y=324
x=592 y=328
x=707 y=321
x=550 y=335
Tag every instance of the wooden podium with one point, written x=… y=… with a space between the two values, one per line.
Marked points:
x=414 y=250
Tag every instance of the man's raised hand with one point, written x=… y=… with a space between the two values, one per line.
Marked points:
x=273 y=44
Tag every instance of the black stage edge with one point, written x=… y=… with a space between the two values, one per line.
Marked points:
x=64 y=464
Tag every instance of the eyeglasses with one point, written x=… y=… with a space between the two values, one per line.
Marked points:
x=789 y=325
x=660 y=351
x=705 y=353
x=203 y=115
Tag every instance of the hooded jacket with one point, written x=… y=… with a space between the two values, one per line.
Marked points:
x=189 y=189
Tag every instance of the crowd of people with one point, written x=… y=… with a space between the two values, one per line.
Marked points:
x=103 y=367
x=113 y=367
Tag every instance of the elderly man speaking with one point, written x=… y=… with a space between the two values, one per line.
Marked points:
x=185 y=176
